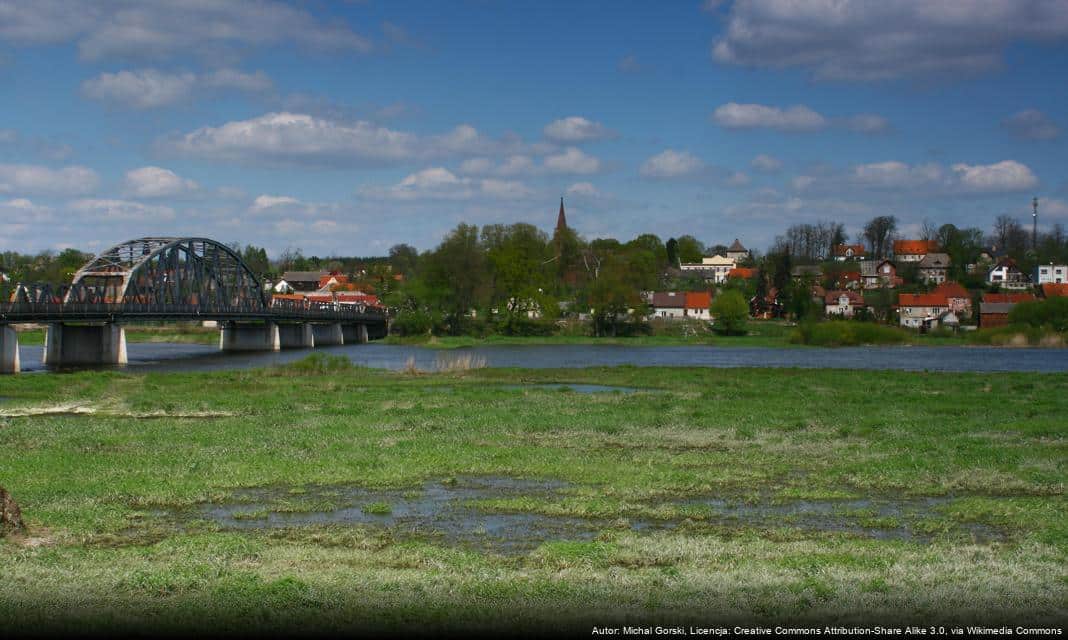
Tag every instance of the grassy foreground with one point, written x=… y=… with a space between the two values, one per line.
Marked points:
x=93 y=458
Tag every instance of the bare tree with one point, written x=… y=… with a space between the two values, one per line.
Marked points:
x=879 y=235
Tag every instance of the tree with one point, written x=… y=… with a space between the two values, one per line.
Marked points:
x=672 y=248
x=731 y=312
x=691 y=250
x=612 y=295
x=403 y=258
x=456 y=277
x=256 y=259
x=879 y=235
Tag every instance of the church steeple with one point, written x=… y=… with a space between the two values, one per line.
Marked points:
x=561 y=219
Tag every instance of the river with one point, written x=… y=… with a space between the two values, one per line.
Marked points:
x=153 y=357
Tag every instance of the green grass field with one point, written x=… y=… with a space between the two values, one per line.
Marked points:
x=110 y=470
x=169 y=332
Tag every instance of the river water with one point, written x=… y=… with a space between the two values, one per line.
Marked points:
x=151 y=357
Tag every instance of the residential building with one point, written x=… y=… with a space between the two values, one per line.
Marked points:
x=1008 y=276
x=767 y=306
x=1051 y=274
x=847 y=280
x=843 y=252
x=913 y=250
x=842 y=303
x=698 y=304
x=934 y=268
x=921 y=310
x=957 y=297
x=875 y=274
x=668 y=304
x=295 y=281
x=743 y=273
x=737 y=252
x=995 y=307
x=712 y=269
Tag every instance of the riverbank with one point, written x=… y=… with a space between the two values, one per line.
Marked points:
x=685 y=496
x=172 y=333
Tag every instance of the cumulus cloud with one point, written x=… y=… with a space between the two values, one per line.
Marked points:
x=151 y=88
x=583 y=189
x=671 y=164
x=757 y=116
x=860 y=40
x=893 y=176
x=1032 y=124
x=292 y=139
x=168 y=28
x=513 y=165
x=438 y=183
x=576 y=129
x=572 y=160
x=103 y=210
x=157 y=182
x=1007 y=175
x=27 y=179
x=766 y=163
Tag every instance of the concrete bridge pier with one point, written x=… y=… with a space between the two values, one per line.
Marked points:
x=237 y=336
x=296 y=336
x=9 y=349
x=354 y=333
x=73 y=344
x=327 y=335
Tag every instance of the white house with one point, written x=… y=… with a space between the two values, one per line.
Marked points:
x=1051 y=274
x=1008 y=276
x=842 y=303
x=713 y=269
x=921 y=310
x=737 y=252
x=668 y=304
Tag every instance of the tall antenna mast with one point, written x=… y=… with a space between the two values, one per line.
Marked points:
x=1034 y=223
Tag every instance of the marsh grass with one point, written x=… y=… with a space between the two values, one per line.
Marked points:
x=993 y=446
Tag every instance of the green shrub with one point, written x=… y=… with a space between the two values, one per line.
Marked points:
x=1051 y=312
x=731 y=312
x=845 y=333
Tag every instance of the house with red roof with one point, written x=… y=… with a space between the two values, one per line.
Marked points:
x=913 y=250
x=842 y=303
x=697 y=304
x=847 y=280
x=957 y=297
x=922 y=310
x=995 y=307
x=1054 y=290
x=745 y=273
x=843 y=252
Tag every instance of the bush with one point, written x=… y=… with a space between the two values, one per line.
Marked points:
x=731 y=312
x=522 y=326
x=845 y=333
x=1051 y=312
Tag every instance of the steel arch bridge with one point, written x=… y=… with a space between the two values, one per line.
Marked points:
x=168 y=278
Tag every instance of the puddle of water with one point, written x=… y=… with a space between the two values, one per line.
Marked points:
x=443 y=511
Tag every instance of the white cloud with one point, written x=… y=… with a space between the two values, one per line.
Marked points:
x=576 y=129
x=26 y=179
x=753 y=116
x=737 y=179
x=21 y=208
x=99 y=210
x=893 y=174
x=572 y=160
x=167 y=28
x=438 y=183
x=861 y=40
x=511 y=166
x=1032 y=124
x=157 y=182
x=293 y=138
x=142 y=89
x=151 y=88
x=1007 y=175
x=671 y=164
x=583 y=189
x=766 y=163
x=266 y=202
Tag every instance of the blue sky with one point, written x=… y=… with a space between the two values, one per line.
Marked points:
x=347 y=127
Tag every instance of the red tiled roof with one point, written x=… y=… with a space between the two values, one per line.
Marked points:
x=951 y=289
x=849 y=276
x=914 y=247
x=854 y=297
x=1012 y=298
x=842 y=249
x=922 y=300
x=698 y=299
x=1052 y=290
x=741 y=272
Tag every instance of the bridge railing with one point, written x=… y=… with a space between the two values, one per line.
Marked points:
x=44 y=303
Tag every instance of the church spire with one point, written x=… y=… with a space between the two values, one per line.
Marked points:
x=561 y=219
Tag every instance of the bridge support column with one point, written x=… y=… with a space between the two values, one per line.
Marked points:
x=354 y=333
x=9 y=349
x=296 y=336
x=249 y=337
x=327 y=335
x=72 y=344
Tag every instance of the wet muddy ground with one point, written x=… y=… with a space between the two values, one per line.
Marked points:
x=448 y=512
